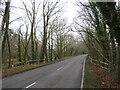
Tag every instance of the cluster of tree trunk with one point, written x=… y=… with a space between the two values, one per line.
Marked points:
x=55 y=41
x=102 y=30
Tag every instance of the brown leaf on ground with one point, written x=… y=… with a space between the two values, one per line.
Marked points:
x=106 y=79
x=4 y=71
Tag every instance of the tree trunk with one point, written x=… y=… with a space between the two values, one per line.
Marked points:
x=19 y=47
x=43 y=55
x=5 y=23
x=32 y=34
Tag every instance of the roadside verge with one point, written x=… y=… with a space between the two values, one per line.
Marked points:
x=16 y=70
x=97 y=77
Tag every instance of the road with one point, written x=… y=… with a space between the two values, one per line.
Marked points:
x=63 y=74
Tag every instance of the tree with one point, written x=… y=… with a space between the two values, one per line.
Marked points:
x=5 y=30
x=19 y=44
x=32 y=14
x=110 y=14
x=98 y=39
x=50 y=8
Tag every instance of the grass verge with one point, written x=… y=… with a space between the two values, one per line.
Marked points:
x=16 y=70
x=90 y=81
x=97 y=77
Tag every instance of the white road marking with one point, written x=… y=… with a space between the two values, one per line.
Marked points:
x=59 y=68
x=82 y=81
x=31 y=85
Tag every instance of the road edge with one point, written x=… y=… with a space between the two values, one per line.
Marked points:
x=83 y=73
x=45 y=64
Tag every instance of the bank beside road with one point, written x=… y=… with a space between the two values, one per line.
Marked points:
x=97 y=77
x=19 y=69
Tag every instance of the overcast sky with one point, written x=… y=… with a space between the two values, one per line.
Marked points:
x=68 y=14
x=70 y=10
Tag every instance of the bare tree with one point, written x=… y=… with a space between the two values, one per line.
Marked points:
x=50 y=8
x=5 y=29
x=32 y=14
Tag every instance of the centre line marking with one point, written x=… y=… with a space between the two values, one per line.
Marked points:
x=31 y=85
x=59 y=68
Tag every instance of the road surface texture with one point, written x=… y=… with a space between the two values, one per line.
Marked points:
x=63 y=74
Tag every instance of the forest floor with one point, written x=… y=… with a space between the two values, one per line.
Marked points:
x=15 y=70
x=97 y=77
